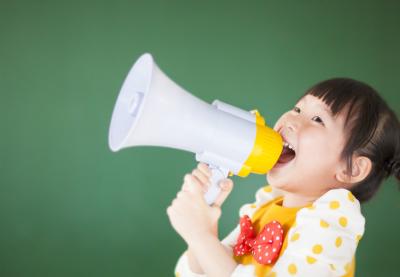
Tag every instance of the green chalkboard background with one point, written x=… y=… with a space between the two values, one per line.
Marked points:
x=71 y=207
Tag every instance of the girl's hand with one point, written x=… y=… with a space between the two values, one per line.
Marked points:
x=189 y=214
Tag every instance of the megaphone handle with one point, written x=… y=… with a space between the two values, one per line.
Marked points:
x=217 y=174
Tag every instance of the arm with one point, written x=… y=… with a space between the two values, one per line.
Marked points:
x=212 y=256
x=193 y=263
x=228 y=243
x=186 y=265
x=197 y=222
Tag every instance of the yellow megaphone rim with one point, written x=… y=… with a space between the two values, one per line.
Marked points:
x=267 y=148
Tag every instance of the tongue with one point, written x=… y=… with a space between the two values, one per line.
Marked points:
x=286 y=156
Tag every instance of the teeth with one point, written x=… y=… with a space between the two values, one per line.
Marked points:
x=286 y=144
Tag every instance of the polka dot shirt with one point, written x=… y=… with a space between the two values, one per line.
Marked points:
x=320 y=241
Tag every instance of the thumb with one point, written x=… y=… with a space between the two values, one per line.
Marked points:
x=215 y=213
x=226 y=186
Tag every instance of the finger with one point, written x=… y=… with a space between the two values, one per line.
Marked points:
x=216 y=213
x=185 y=186
x=171 y=212
x=178 y=205
x=183 y=196
x=193 y=185
x=186 y=183
x=204 y=168
x=226 y=188
x=180 y=194
x=204 y=180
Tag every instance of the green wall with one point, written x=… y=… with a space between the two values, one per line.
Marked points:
x=71 y=207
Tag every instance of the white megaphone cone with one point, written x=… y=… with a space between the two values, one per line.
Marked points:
x=151 y=110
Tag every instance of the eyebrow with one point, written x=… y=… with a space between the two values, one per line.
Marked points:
x=327 y=110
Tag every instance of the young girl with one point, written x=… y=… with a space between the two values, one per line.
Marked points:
x=341 y=142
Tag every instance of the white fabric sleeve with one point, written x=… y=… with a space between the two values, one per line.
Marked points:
x=324 y=239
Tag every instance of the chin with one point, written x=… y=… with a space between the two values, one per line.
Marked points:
x=275 y=182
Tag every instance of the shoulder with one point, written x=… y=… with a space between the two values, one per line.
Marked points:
x=263 y=195
x=328 y=231
x=337 y=210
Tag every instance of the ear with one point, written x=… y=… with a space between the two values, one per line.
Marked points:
x=360 y=169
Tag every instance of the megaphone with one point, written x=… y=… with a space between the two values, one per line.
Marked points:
x=151 y=110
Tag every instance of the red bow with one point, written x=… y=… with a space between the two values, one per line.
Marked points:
x=265 y=247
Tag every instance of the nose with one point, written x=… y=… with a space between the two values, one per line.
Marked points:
x=292 y=125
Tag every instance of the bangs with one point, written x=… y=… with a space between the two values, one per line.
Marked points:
x=340 y=94
x=358 y=101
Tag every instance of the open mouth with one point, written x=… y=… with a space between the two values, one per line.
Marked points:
x=287 y=154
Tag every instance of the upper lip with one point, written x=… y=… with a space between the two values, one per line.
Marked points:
x=286 y=140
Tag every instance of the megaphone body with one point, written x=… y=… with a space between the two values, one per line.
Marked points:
x=151 y=110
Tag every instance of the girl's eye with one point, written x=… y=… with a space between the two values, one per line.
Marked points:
x=318 y=119
x=296 y=109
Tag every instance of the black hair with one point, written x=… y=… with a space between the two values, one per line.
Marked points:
x=372 y=130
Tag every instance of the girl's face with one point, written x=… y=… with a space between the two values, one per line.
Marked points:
x=317 y=139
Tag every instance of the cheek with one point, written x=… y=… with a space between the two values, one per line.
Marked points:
x=317 y=150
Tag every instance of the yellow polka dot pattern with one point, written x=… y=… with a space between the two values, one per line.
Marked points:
x=338 y=241
x=317 y=249
x=311 y=260
x=268 y=189
x=351 y=196
x=312 y=207
x=334 y=205
x=295 y=237
x=343 y=221
x=323 y=223
x=177 y=274
x=292 y=269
